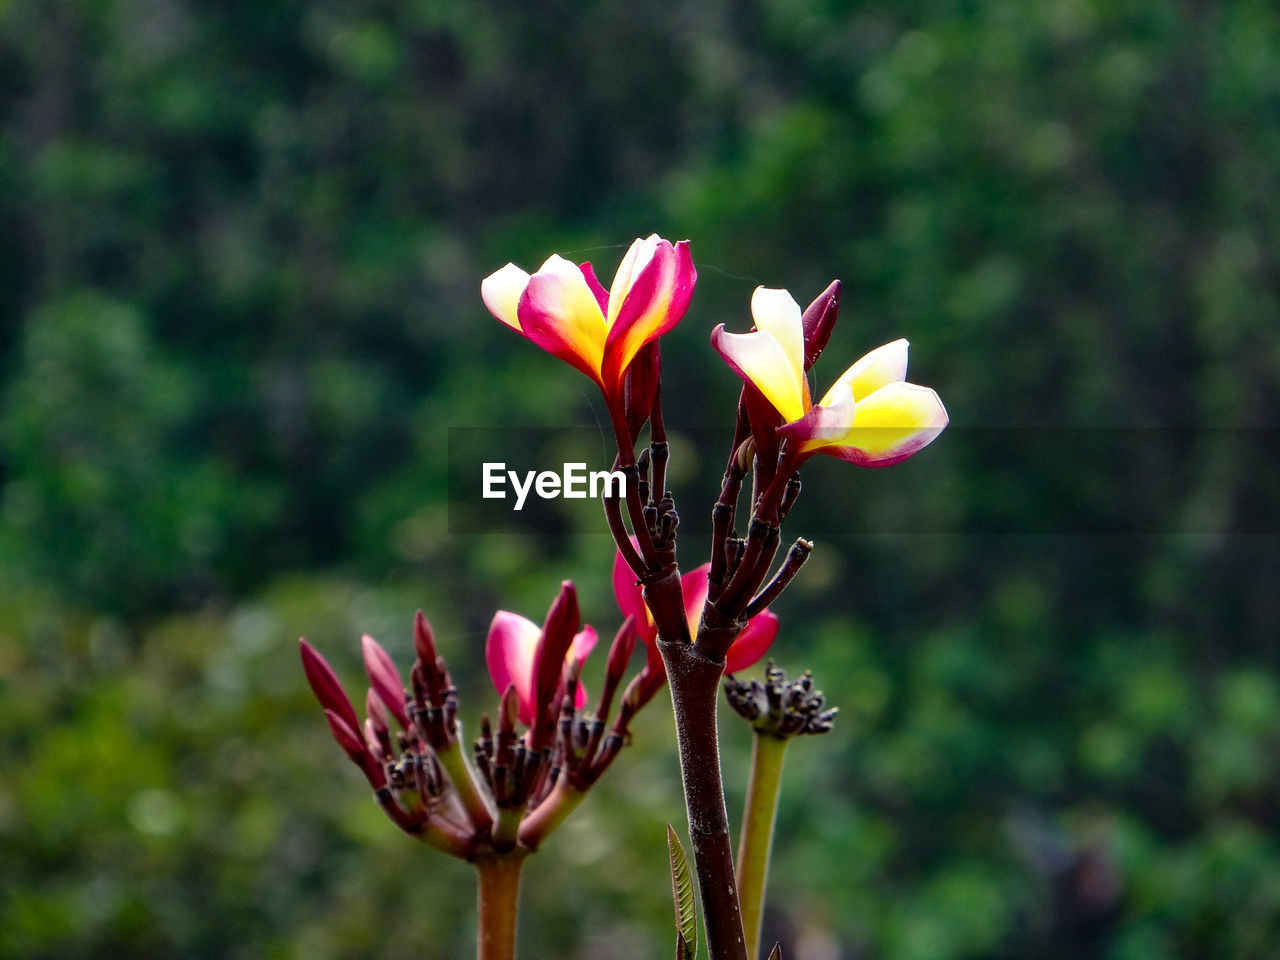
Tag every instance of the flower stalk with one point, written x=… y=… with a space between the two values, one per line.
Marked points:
x=694 y=679
x=778 y=711
x=497 y=903
x=755 y=843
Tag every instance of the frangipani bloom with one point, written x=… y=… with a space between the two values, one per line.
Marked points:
x=515 y=648
x=870 y=416
x=749 y=647
x=564 y=309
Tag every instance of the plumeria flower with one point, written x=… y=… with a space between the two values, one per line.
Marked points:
x=751 y=644
x=532 y=658
x=870 y=416
x=564 y=309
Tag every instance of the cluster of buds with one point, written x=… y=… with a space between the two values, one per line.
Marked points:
x=778 y=707
x=522 y=783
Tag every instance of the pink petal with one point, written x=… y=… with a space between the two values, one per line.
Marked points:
x=753 y=643
x=583 y=644
x=594 y=285
x=694 y=586
x=630 y=597
x=509 y=652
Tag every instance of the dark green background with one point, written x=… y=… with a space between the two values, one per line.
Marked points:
x=240 y=253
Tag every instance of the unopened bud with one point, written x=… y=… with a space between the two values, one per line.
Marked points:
x=819 y=320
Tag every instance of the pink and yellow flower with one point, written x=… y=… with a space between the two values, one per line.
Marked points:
x=564 y=309
x=870 y=416
x=751 y=644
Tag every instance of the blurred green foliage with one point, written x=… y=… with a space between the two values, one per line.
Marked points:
x=240 y=249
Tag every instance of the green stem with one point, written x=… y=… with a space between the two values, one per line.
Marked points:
x=756 y=840
x=549 y=814
x=464 y=782
x=498 y=896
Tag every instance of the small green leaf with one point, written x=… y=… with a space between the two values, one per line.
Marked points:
x=682 y=890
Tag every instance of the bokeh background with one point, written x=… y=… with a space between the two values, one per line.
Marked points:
x=240 y=249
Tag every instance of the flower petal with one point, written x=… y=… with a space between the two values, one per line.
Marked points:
x=694 y=587
x=593 y=283
x=759 y=359
x=893 y=423
x=825 y=423
x=777 y=313
x=509 y=652
x=752 y=643
x=582 y=646
x=879 y=368
x=633 y=264
x=631 y=598
x=559 y=312
x=654 y=301
x=501 y=292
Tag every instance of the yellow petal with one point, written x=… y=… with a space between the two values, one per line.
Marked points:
x=758 y=358
x=880 y=367
x=893 y=423
x=501 y=293
x=777 y=313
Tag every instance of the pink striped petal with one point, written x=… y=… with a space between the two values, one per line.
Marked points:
x=634 y=262
x=559 y=312
x=649 y=297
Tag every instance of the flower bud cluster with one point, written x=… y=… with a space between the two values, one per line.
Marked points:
x=524 y=782
x=778 y=707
